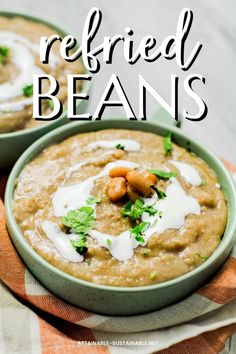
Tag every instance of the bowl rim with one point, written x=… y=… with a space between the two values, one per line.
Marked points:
x=61 y=29
x=74 y=128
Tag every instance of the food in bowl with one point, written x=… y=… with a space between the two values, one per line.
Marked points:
x=120 y=207
x=19 y=60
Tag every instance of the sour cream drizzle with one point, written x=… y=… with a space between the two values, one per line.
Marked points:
x=174 y=208
x=15 y=106
x=189 y=173
x=77 y=167
x=22 y=56
x=73 y=197
x=171 y=214
x=129 y=144
x=121 y=247
x=61 y=241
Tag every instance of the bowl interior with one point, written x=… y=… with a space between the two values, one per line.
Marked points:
x=179 y=137
x=59 y=28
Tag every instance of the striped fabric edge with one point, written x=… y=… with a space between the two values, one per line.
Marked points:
x=51 y=335
x=212 y=342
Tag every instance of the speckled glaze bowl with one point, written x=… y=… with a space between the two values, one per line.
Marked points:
x=122 y=301
x=13 y=144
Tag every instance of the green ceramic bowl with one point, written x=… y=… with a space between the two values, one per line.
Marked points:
x=12 y=145
x=121 y=300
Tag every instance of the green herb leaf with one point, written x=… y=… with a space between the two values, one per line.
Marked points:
x=79 y=220
x=4 y=54
x=119 y=146
x=168 y=147
x=134 y=211
x=93 y=200
x=108 y=242
x=28 y=90
x=137 y=231
x=139 y=238
x=80 y=244
x=149 y=209
x=159 y=193
x=201 y=257
x=163 y=174
x=126 y=211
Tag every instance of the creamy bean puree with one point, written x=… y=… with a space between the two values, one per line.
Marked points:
x=120 y=207
x=19 y=60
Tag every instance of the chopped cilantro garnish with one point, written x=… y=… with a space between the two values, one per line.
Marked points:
x=138 y=230
x=4 y=54
x=50 y=104
x=201 y=257
x=149 y=209
x=119 y=146
x=108 y=242
x=163 y=174
x=159 y=193
x=80 y=244
x=168 y=147
x=126 y=210
x=93 y=200
x=79 y=220
x=139 y=238
x=28 y=90
x=134 y=211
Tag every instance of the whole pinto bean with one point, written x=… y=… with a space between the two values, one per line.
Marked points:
x=150 y=176
x=119 y=171
x=139 y=182
x=131 y=193
x=116 y=188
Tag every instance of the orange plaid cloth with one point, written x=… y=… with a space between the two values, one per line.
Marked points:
x=34 y=320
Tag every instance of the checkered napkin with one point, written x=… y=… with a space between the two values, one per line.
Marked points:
x=33 y=320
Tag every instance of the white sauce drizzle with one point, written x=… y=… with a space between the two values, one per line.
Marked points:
x=189 y=173
x=15 y=106
x=174 y=208
x=129 y=144
x=22 y=57
x=173 y=217
x=76 y=167
x=171 y=214
x=121 y=247
x=61 y=241
x=73 y=197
